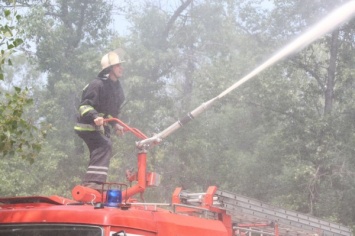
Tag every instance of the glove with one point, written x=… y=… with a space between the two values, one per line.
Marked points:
x=99 y=121
x=119 y=130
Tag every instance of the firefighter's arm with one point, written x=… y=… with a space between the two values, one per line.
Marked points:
x=89 y=100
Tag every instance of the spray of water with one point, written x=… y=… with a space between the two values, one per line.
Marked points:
x=329 y=23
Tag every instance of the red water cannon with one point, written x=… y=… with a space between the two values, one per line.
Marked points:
x=143 y=178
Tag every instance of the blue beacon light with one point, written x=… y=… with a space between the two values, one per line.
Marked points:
x=113 y=197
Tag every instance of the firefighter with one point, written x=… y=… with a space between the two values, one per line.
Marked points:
x=102 y=98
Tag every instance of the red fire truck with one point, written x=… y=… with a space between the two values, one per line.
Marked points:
x=114 y=212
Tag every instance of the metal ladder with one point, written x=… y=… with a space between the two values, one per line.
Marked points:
x=246 y=211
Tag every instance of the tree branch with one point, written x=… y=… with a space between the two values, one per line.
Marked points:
x=174 y=17
x=311 y=72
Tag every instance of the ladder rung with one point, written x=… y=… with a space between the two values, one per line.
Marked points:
x=248 y=208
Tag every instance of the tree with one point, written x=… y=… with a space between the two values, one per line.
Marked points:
x=182 y=58
x=68 y=38
x=18 y=135
x=306 y=102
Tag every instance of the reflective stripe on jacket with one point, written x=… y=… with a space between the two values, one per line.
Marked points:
x=84 y=109
x=88 y=127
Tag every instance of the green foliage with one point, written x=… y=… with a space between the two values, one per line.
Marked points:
x=18 y=136
x=8 y=38
x=70 y=37
x=305 y=151
x=285 y=137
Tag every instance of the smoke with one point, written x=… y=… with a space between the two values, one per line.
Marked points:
x=329 y=23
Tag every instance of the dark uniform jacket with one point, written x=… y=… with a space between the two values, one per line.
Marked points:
x=102 y=97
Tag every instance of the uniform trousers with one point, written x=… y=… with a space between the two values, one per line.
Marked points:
x=100 y=148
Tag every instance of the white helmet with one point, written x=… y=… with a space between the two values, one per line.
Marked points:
x=108 y=60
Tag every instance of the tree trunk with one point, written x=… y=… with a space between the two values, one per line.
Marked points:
x=329 y=90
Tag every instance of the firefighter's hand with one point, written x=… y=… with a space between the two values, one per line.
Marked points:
x=119 y=130
x=99 y=121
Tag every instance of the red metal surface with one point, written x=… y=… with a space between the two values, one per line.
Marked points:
x=142 y=177
x=127 y=128
x=176 y=199
x=84 y=194
x=276 y=229
x=139 y=220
